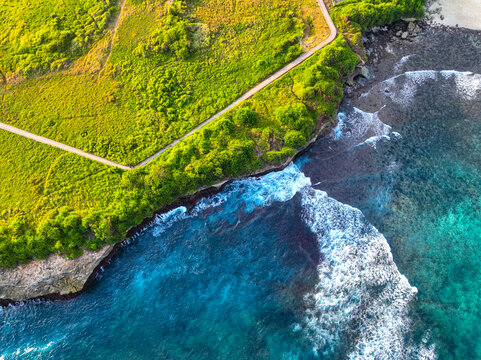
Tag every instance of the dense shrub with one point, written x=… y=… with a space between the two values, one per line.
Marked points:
x=279 y=156
x=296 y=117
x=366 y=14
x=173 y=35
x=226 y=125
x=294 y=139
x=245 y=117
x=84 y=205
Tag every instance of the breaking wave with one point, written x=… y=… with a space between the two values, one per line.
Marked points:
x=249 y=193
x=29 y=350
x=361 y=302
x=360 y=306
x=401 y=89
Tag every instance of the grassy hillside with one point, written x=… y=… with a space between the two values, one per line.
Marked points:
x=171 y=65
x=58 y=202
x=37 y=36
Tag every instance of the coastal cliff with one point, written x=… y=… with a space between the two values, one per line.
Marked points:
x=54 y=277
x=58 y=277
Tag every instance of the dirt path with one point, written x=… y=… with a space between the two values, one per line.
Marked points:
x=61 y=146
x=260 y=86
x=111 y=44
x=246 y=96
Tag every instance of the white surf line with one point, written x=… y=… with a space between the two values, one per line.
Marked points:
x=247 y=95
x=56 y=144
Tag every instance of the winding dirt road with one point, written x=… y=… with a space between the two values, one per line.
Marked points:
x=246 y=96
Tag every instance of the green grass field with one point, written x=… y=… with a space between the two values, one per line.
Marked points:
x=42 y=35
x=53 y=201
x=172 y=65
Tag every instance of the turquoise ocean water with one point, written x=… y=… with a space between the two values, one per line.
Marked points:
x=366 y=248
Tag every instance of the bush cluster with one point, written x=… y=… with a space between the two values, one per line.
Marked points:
x=285 y=115
x=245 y=117
x=173 y=36
x=47 y=35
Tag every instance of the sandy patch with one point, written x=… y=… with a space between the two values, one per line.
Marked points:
x=464 y=13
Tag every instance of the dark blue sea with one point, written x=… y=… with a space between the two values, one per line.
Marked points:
x=367 y=247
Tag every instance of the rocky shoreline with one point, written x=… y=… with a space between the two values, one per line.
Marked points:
x=60 y=278
x=55 y=277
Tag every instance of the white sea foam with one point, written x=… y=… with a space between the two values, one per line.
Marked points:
x=341 y=119
x=275 y=186
x=402 y=62
x=364 y=125
x=361 y=128
x=402 y=88
x=373 y=140
x=30 y=350
x=166 y=220
x=396 y=135
x=210 y=202
x=412 y=80
x=252 y=192
x=360 y=293
x=468 y=84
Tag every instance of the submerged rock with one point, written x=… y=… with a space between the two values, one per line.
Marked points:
x=54 y=277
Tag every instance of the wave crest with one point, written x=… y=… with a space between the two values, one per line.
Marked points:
x=401 y=89
x=361 y=302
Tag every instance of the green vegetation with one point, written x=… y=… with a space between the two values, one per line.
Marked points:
x=297 y=116
x=294 y=139
x=58 y=202
x=245 y=117
x=366 y=14
x=48 y=35
x=172 y=65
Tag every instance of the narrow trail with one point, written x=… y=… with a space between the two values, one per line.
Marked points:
x=111 y=44
x=61 y=146
x=247 y=95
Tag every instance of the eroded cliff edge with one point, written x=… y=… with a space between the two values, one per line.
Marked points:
x=54 y=277
x=59 y=278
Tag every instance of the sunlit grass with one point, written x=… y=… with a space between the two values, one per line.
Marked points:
x=140 y=104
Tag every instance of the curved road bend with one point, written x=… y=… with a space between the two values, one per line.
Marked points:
x=61 y=146
x=259 y=87
x=247 y=95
